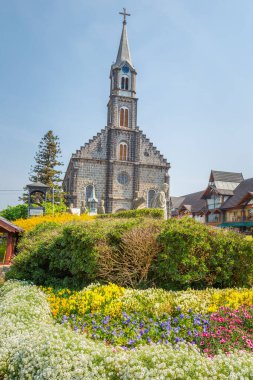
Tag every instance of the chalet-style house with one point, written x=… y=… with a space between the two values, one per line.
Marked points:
x=226 y=202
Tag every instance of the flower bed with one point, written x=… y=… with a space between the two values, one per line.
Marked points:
x=58 y=218
x=33 y=346
x=130 y=318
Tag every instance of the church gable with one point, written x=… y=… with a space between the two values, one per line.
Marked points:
x=95 y=148
x=149 y=154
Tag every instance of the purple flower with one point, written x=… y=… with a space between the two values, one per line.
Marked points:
x=131 y=341
x=106 y=320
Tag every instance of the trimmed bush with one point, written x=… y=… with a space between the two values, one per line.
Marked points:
x=145 y=212
x=137 y=252
x=66 y=255
x=195 y=255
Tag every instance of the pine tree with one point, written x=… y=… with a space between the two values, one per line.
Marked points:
x=46 y=169
x=46 y=159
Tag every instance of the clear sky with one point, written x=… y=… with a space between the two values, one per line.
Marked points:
x=194 y=60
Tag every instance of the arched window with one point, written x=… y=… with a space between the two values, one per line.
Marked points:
x=124 y=83
x=123 y=151
x=150 y=198
x=123 y=120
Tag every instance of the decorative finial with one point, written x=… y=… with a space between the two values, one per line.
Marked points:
x=124 y=14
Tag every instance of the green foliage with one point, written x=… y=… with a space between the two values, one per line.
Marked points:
x=21 y=211
x=46 y=170
x=47 y=161
x=65 y=255
x=137 y=252
x=15 y=212
x=57 y=208
x=195 y=255
x=3 y=245
x=145 y=212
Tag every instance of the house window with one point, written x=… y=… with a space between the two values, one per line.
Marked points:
x=123 y=151
x=123 y=122
x=150 y=198
x=214 y=202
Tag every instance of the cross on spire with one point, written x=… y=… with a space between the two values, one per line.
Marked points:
x=124 y=13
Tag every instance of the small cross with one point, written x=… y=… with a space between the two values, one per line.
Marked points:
x=124 y=14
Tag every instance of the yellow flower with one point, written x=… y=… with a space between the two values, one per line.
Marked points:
x=29 y=224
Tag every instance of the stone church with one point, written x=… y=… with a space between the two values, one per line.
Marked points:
x=120 y=163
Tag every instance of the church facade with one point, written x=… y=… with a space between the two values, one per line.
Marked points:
x=120 y=163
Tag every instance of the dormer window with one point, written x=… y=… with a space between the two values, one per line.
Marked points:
x=123 y=122
x=124 y=83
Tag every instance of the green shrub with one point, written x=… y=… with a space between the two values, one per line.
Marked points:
x=21 y=211
x=145 y=212
x=15 y=212
x=137 y=252
x=195 y=255
x=65 y=255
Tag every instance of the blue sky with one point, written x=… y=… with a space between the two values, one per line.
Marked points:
x=194 y=60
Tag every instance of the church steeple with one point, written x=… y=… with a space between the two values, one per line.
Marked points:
x=122 y=106
x=124 y=51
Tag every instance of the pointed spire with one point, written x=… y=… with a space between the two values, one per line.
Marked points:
x=124 y=51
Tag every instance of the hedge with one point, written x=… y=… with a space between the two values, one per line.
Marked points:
x=135 y=252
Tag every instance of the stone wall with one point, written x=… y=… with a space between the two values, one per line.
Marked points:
x=90 y=173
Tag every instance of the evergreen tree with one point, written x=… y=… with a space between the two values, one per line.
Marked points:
x=45 y=170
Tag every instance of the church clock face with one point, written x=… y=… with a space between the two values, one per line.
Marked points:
x=125 y=69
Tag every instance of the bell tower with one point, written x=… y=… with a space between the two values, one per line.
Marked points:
x=119 y=164
x=122 y=106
